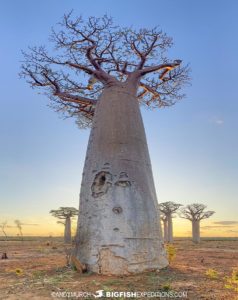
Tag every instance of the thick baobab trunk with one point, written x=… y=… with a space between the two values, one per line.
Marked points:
x=119 y=230
x=165 y=225
x=196 y=231
x=170 y=229
x=67 y=231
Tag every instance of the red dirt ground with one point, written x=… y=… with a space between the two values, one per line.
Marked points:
x=42 y=271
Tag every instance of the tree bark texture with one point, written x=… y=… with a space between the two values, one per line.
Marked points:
x=170 y=229
x=67 y=231
x=165 y=225
x=119 y=229
x=196 y=231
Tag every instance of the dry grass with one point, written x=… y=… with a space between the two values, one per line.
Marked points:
x=34 y=270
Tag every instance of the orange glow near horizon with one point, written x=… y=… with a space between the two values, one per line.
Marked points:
x=181 y=228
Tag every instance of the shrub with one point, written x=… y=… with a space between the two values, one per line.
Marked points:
x=171 y=252
x=211 y=273
x=232 y=281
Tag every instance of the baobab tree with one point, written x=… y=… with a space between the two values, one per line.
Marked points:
x=195 y=213
x=101 y=73
x=65 y=214
x=168 y=209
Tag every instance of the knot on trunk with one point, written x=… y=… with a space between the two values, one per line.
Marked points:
x=101 y=183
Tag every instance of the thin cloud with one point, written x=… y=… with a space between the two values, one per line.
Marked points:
x=22 y=224
x=217 y=121
x=216 y=226
x=226 y=222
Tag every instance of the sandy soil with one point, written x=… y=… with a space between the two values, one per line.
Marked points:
x=37 y=270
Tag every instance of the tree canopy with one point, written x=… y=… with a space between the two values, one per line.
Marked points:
x=168 y=208
x=88 y=56
x=64 y=212
x=195 y=212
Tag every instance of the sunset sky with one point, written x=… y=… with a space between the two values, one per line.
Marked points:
x=193 y=145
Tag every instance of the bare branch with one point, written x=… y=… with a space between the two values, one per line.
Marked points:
x=79 y=67
x=76 y=99
x=206 y=214
x=145 y=54
x=105 y=55
x=164 y=67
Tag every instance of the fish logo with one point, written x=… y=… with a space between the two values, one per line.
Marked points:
x=99 y=294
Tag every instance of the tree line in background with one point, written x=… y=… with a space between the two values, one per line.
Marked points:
x=18 y=225
x=193 y=212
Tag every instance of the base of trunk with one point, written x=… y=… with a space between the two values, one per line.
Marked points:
x=112 y=262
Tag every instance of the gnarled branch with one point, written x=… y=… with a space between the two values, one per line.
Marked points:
x=164 y=67
x=106 y=55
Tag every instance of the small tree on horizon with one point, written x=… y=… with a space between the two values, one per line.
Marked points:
x=195 y=213
x=19 y=227
x=3 y=225
x=65 y=214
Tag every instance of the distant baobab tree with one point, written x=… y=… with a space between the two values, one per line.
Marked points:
x=19 y=227
x=168 y=209
x=65 y=214
x=3 y=226
x=195 y=213
x=100 y=74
